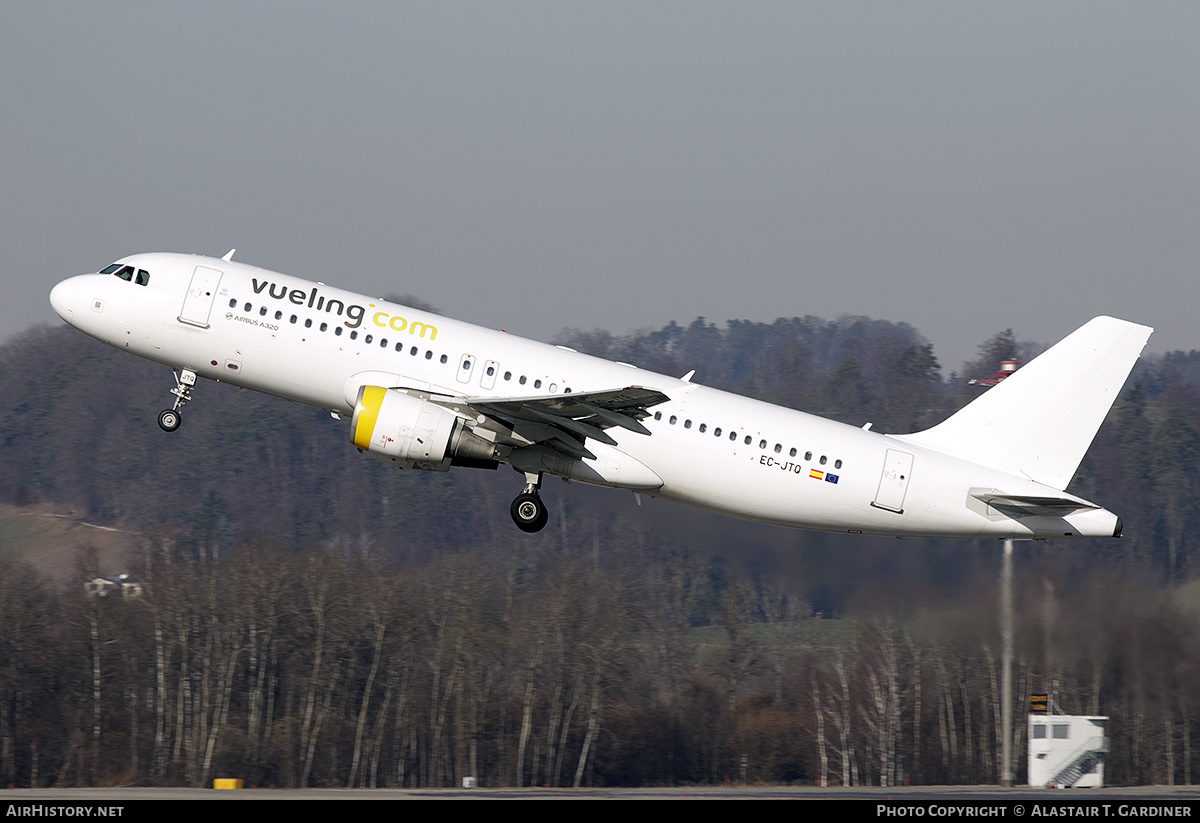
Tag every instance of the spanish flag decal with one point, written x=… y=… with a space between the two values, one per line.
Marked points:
x=817 y=473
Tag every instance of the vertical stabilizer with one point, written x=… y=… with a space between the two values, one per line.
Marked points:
x=1040 y=421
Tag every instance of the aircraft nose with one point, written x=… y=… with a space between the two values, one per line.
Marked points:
x=64 y=298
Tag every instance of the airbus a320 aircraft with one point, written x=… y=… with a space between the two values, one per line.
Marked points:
x=426 y=392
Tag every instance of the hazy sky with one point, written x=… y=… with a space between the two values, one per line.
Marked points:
x=962 y=166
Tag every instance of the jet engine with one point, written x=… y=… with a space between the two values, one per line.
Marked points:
x=396 y=428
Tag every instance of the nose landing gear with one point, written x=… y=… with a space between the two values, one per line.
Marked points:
x=170 y=419
x=528 y=511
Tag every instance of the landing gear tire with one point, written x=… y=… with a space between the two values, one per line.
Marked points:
x=169 y=420
x=529 y=513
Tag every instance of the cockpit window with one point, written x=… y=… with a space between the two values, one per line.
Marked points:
x=142 y=277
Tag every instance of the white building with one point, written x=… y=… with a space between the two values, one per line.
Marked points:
x=123 y=585
x=1066 y=750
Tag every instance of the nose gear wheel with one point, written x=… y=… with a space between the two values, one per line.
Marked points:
x=169 y=420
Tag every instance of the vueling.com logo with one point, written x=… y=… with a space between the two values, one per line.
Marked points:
x=317 y=301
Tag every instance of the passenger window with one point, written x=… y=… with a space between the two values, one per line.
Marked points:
x=428 y=355
x=837 y=464
x=673 y=419
x=748 y=440
x=490 y=369
x=308 y=322
x=537 y=384
x=443 y=358
x=246 y=307
x=294 y=318
x=383 y=342
x=337 y=330
x=414 y=351
x=262 y=312
x=508 y=375
x=733 y=436
x=366 y=339
x=792 y=452
x=399 y=347
x=354 y=335
x=703 y=428
x=687 y=424
x=467 y=365
x=778 y=448
x=278 y=315
x=522 y=380
x=808 y=455
x=762 y=444
x=233 y=303
x=324 y=327
x=658 y=415
x=823 y=459
x=717 y=431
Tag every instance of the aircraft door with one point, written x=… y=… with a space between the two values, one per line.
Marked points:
x=198 y=302
x=893 y=483
x=466 y=365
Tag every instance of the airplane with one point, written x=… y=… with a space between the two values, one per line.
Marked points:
x=426 y=392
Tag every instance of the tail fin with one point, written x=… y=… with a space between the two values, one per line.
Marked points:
x=1040 y=421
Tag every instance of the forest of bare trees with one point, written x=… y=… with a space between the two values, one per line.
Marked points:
x=540 y=667
x=310 y=618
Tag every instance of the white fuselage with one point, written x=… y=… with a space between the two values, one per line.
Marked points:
x=278 y=334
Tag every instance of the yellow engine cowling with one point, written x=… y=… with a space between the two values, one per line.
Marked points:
x=396 y=428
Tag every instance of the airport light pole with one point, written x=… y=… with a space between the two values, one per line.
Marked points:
x=1006 y=657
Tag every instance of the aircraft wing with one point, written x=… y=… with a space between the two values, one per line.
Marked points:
x=563 y=421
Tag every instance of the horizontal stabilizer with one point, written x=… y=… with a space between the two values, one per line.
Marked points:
x=1040 y=422
x=1020 y=505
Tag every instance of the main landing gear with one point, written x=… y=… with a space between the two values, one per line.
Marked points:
x=528 y=511
x=169 y=419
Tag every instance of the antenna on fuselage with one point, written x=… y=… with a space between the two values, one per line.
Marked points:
x=228 y=255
